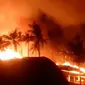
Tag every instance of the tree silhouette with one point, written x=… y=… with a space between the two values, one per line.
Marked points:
x=20 y=38
x=38 y=40
x=27 y=38
x=13 y=38
x=3 y=43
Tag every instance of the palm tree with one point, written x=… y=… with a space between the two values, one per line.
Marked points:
x=27 y=38
x=12 y=38
x=38 y=40
x=20 y=38
x=3 y=43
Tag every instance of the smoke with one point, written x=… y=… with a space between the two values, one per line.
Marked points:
x=56 y=36
x=12 y=12
x=15 y=14
x=53 y=32
x=65 y=12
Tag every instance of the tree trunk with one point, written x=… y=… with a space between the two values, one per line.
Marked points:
x=21 y=52
x=28 y=49
x=15 y=47
x=39 y=49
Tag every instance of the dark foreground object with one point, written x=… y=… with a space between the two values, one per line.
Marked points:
x=30 y=71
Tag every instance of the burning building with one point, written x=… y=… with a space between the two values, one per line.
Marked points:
x=73 y=73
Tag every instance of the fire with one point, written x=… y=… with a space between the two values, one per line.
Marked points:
x=73 y=66
x=9 y=54
x=74 y=72
x=68 y=64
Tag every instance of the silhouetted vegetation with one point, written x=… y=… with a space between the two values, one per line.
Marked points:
x=27 y=38
x=55 y=36
x=38 y=40
x=3 y=43
x=12 y=38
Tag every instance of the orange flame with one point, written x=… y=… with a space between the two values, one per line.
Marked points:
x=73 y=66
x=9 y=54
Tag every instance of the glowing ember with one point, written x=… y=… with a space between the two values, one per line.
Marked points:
x=9 y=54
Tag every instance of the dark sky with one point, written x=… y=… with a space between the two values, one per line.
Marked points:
x=15 y=12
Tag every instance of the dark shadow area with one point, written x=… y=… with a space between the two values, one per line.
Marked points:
x=31 y=71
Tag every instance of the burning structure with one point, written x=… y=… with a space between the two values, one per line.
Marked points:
x=73 y=73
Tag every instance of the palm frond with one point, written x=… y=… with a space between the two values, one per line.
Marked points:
x=6 y=37
x=14 y=34
x=38 y=37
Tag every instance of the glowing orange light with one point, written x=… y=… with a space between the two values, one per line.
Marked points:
x=73 y=66
x=68 y=64
x=9 y=54
x=82 y=69
x=74 y=72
